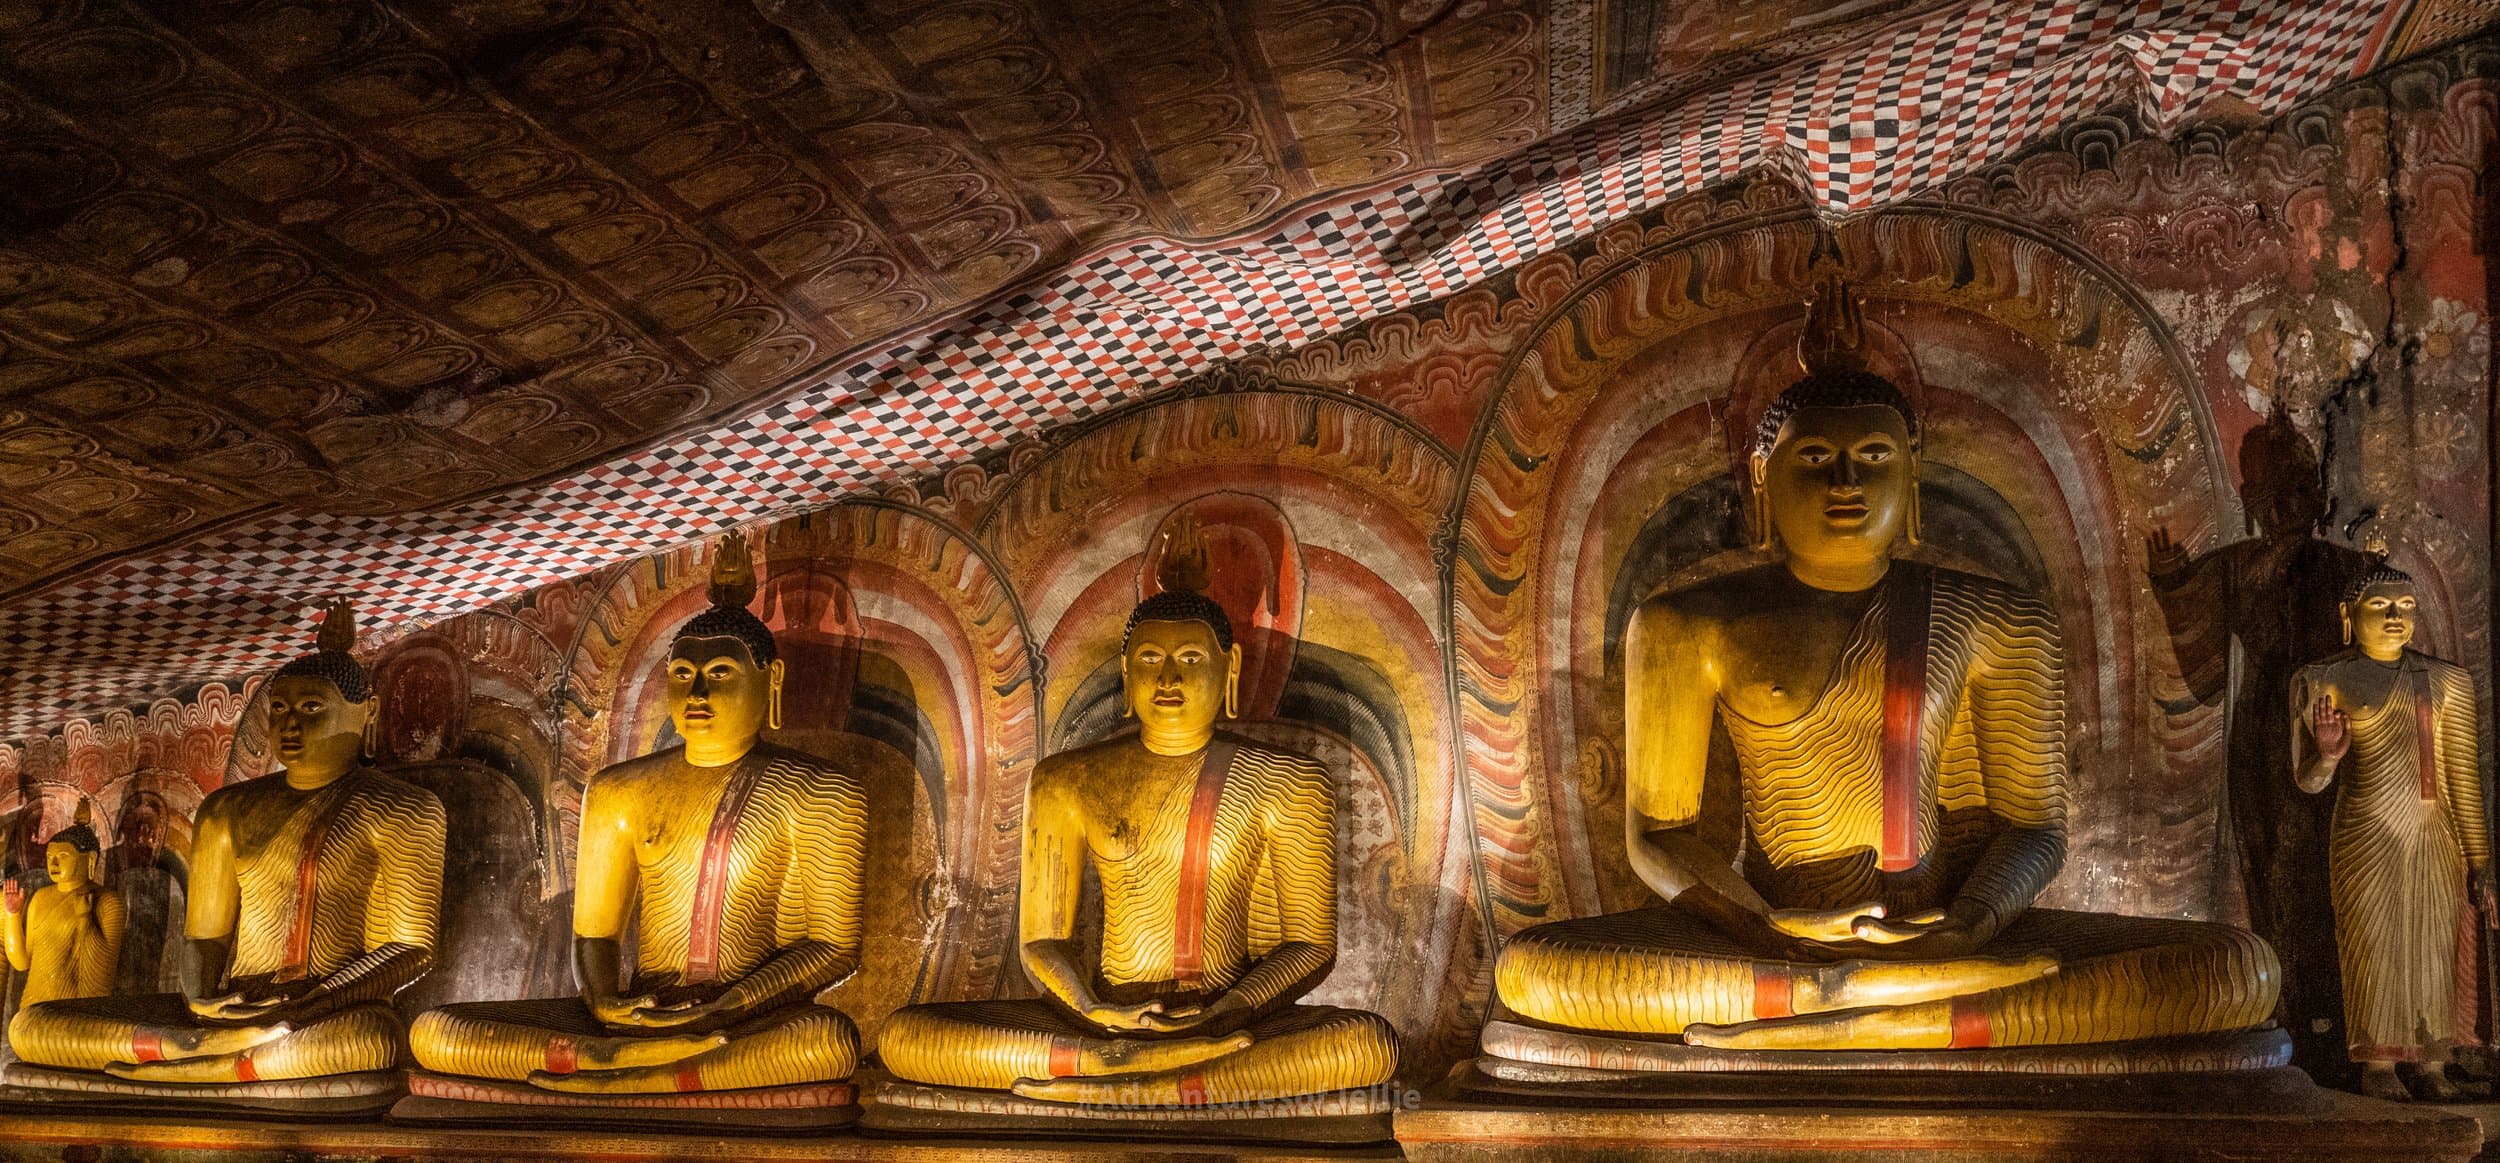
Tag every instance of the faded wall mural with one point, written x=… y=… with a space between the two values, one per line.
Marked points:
x=2180 y=386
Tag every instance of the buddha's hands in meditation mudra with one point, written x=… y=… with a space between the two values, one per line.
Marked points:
x=1900 y=740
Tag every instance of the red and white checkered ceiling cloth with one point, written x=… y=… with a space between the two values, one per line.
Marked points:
x=1879 y=120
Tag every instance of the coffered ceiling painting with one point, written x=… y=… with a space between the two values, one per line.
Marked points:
x=429 y=302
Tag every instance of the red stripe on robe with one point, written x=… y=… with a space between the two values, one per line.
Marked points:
x=1905 y=693
x=712 y=874
x=1189 y=913
x=2426 y=731
x=1971 y=1028
x=1774 y=992
x=298 y=961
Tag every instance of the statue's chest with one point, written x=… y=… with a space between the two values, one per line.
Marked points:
x=1157 y=840
x=1777 y=666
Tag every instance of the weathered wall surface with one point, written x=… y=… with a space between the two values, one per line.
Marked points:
x=2268 y=343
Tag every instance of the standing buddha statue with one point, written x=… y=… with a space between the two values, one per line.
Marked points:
x=736 y=866
x=2409 y=839
x=66 y=937
x=314 y=898
x=1216 y=859
x=1901 y=751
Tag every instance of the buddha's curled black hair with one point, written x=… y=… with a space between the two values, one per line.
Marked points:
x=1180 y=606
x=2380 y=575
x=78 y=836
x=1832 y=388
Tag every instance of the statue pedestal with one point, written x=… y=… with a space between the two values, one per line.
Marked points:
x=1346 y=1118
x=446 y=1100
x=337 y=1097
x=1922 y=1115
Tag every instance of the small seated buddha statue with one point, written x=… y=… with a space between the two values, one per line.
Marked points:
x=1900 y=743
x=2393 y=730
x=66 y=937
x=314 y=899
x=1216 y=860
x=735 y=864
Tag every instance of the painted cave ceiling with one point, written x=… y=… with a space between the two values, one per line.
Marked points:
x=430 y=302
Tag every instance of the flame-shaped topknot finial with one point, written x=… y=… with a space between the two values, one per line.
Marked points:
x=1834 y=339
x=733 y=572
x=338 y=628
x=1184 y=563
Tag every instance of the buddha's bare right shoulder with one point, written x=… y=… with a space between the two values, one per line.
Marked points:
x=1702 y=606
x=638 y=770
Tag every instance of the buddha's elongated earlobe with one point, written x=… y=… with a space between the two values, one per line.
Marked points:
x=1912 y=525
x=772 y=711
x=1128 y=710
x=1232 y=683
x=1761 y=505
x=2343 y=616
x=371 y=747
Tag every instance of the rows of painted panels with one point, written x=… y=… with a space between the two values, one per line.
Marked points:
x=1432 y=531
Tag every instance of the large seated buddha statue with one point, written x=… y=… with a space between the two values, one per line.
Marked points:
x=314 y=899
x=1216 y=860
x=734 y=867
x=1901 y=744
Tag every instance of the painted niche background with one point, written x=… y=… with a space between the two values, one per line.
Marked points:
x=2268 y=341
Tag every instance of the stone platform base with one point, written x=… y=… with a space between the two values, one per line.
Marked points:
x=47 y=1138
x=1339 y=1119
x=1515 y=1051
x=443 y=1099
x=345 y=1097
x=1926 y=1117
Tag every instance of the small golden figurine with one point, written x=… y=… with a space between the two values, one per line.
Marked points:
x=1901 y=747
x=2409 y=839
x=313 y=900
x=734 y=863
x=1217 y=864
x=67 y=936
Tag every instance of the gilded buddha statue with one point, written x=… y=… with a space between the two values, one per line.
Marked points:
x=314 y=895
x=1216 y=859
x=2393 y=730
x=734 y=864
x=66 y=937
x=1900 y=739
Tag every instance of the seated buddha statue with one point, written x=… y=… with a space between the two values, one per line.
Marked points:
x=1216 y=861
x=313 y=900
x=66 y=937
x=734 y=864
x=1901 y=752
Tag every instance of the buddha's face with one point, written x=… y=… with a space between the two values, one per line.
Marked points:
x=1839 y=483
x=716 y=693
x=2382 y=619
x=68 y=865
x=1175 y=675
x=312 y=726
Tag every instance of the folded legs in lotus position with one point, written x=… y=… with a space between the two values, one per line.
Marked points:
x=1900 y=737
x=1217 y=863
x=314 y=897
x=738 y=863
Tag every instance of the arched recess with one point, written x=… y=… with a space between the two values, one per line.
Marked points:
x=1318 y=510
x=2062 y=421
x=908 y=663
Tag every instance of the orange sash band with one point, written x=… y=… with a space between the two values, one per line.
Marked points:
x=1905 y=693
x=1189 y=914
x=1774 y=992
x=244 y=1071
x=1193 y=1088
x=1971 y=1028
x=298 y=962
x=564 y=1055
x=712 y=876
x=1063 y=1056
x=689 y=1077
x=2426 y=731
x=146 y=1045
